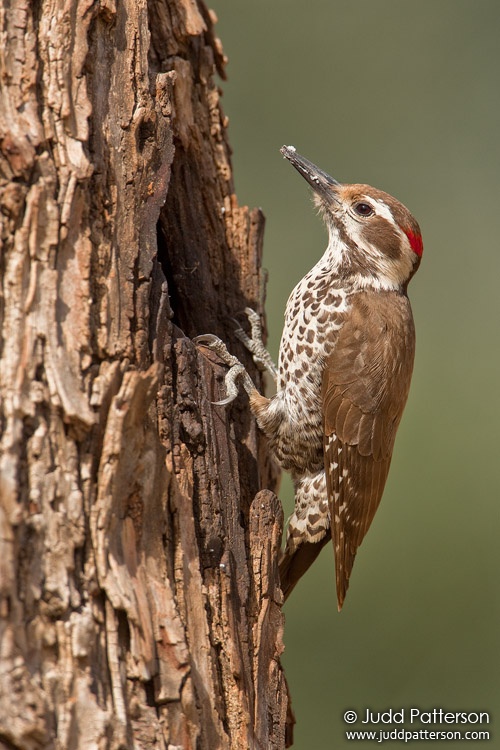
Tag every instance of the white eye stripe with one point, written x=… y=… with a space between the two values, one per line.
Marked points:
x=379 y=208
x=382 y=209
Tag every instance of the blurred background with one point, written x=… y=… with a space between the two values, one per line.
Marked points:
x=402 y=95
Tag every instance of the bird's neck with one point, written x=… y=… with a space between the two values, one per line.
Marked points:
x=355 y=268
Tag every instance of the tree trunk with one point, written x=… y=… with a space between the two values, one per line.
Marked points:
x=140 y=600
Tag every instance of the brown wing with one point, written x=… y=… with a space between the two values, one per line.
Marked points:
x=364 y=390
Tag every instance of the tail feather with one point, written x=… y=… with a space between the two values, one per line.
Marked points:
x=294 y=563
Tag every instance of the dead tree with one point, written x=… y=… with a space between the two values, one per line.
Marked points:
x=140 y=603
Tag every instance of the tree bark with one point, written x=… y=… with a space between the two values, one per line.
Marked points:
x=139 y=532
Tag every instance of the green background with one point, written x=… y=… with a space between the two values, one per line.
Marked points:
x=402 y=95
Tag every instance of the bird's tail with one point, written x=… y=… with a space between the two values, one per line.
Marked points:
x=294 y=563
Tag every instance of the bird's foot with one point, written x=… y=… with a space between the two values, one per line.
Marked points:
x=236 y=371
x=255 y=344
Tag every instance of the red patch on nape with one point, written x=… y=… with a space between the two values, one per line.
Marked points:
x=416 y=242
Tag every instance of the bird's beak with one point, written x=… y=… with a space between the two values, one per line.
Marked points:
x=321 y=182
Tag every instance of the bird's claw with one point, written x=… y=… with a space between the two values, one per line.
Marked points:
x=215 y=344
x=236 y=369
x=254 y=342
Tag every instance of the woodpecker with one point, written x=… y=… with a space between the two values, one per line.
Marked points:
x=345 y=365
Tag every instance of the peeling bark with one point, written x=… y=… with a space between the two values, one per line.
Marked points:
x=139 y=532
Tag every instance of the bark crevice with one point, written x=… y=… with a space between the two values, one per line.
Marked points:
x=139 y=532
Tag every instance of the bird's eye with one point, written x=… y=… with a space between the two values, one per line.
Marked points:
x=363 y=209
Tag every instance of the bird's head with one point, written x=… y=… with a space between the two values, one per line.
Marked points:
x=374 y=239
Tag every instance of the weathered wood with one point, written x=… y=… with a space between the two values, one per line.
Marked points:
x=140 y=604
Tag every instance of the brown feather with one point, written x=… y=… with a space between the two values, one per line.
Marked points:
x=294 y=564
x=364 y=391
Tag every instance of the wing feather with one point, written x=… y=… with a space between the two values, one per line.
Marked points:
x=364 y=390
